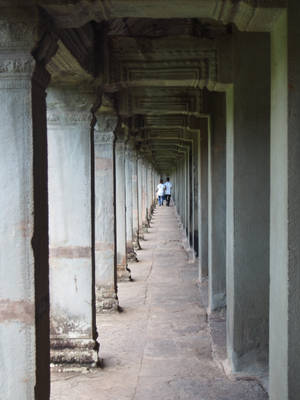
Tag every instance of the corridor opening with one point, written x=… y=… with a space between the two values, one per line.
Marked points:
x=100 y=99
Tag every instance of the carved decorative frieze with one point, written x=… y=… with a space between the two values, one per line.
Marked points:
x=68 y=117
x=24 y=65
x=67 y=105
x=103 y=137
x=17 y=35
x=105 y=126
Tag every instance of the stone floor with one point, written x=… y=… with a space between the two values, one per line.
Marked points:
x=158 y=348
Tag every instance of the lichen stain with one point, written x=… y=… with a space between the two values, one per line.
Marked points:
x=75 y=281
x=103 y=163
x=102 y=246
x=22 y=311
x=70 y=252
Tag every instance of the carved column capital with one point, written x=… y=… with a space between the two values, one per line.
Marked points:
x=18 y=28
x=69 y=105
x=104 y=132
x=130 y=151
x=18 y=36
x=121 y=137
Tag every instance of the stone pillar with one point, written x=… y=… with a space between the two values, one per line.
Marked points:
x=186 y=193
x=129 y=161
x=203 y=198
x=105 y=252
x=148 y=192
x=24 y=294
x=247 y=208
x=192 y=196
x=135 y=200
x=72 y=322
x=285 y=208
x=140 y=195
x=123 y=271
x=196 y=200
x=217 y=201
x=180 y=188
x=143 y=194
x=153 y=188
x=147 y=187
x=177 y=187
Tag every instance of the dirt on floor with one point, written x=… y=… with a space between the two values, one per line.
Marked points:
x=159 y=347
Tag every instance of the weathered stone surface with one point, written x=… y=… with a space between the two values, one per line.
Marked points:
x=71 y=292
x=170 y=356
x=105 y=228
x=68 y=354
x=246 y=14
x=24 y=302
x=123 y=271
x=106 y=298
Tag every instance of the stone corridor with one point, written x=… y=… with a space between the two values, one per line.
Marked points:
x=158 y=347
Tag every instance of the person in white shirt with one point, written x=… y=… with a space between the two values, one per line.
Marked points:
x=168 y=186
x=160 y=192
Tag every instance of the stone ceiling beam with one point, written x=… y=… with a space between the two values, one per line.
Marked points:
x=248 y=15
x=149 y=101
x=64 y=68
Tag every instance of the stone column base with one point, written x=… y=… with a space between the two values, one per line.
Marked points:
x=106 y=299
x=71 y=354
x=146 y=225
x=136 y=242
x=131 y=254
x=142 y=230
x=123 y=273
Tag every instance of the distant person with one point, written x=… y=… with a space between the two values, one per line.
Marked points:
x=160 y=192
x=168 y=186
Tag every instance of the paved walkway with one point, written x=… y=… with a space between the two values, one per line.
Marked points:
x=158 y=348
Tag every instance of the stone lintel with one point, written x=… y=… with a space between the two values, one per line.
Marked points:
x=248 y=14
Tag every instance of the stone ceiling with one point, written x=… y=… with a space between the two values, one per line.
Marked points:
x=154 y=59
x=157 y=71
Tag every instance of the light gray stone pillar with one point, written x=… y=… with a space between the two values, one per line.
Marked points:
x=140 y=174
x=203 y=199
x=143 y=194
x=186 y=192
x=197 y=182
x=72 y=326
x=147 y=191
x=285 y=208
x=123 y=271
x=247 y=208
x=217 y=201
x=105 y=229
x=191 y=201
x=130 y=237
x=135 y=200
x=177 y=187
x=24 y=296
